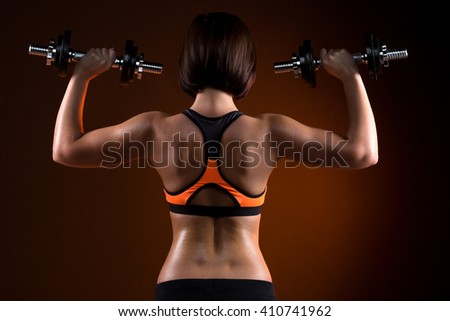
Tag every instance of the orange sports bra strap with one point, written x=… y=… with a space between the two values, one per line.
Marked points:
x=212 y=175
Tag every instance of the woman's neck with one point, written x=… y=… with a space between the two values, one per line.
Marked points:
x=212 y=103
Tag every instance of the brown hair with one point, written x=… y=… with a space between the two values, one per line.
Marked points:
x=218 y=52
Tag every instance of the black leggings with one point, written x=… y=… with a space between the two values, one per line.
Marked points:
x=215 y=290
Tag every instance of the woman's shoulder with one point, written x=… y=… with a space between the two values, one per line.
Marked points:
x=270 y=119
x=157 y=117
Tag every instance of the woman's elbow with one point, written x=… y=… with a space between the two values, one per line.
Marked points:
x=58 y=156
x=364 y=159
x=61 y=155
x=369 y=160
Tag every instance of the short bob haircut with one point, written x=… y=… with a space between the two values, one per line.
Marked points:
x=218 y=52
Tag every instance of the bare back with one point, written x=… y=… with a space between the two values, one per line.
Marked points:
x=204 y=246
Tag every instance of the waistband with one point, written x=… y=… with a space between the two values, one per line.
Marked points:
x=212 y=289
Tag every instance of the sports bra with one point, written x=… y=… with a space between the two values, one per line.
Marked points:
x=212 y=129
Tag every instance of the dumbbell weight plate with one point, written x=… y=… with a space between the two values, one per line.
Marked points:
x=128 y=64
x=373 y=56
x=307 y=68
x=61 y=62
x=133 y=64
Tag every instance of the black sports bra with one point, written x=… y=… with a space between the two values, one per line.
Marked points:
x=212 y=129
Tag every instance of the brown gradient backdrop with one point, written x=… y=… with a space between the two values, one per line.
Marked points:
x=91 y=234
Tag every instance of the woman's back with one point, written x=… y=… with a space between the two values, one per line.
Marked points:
x=179 y=156
x=217 y=241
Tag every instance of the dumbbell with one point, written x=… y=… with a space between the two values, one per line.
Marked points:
x=375 y=56
x=59 y=55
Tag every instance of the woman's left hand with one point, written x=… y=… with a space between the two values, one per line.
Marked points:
x=95 y=62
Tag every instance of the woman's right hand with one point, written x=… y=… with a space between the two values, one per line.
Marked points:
x=95 y=62
x=338 y=63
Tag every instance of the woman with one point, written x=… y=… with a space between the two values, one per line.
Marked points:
x=214 y=160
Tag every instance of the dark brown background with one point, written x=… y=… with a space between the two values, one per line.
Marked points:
x=91 y=234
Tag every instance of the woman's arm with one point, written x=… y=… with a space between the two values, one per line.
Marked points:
x=358 y=148
x=71 y=145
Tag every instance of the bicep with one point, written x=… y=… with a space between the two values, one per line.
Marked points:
x=113 y=145
x=310 y=146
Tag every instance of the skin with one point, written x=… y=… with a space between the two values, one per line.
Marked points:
x=226 y=247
